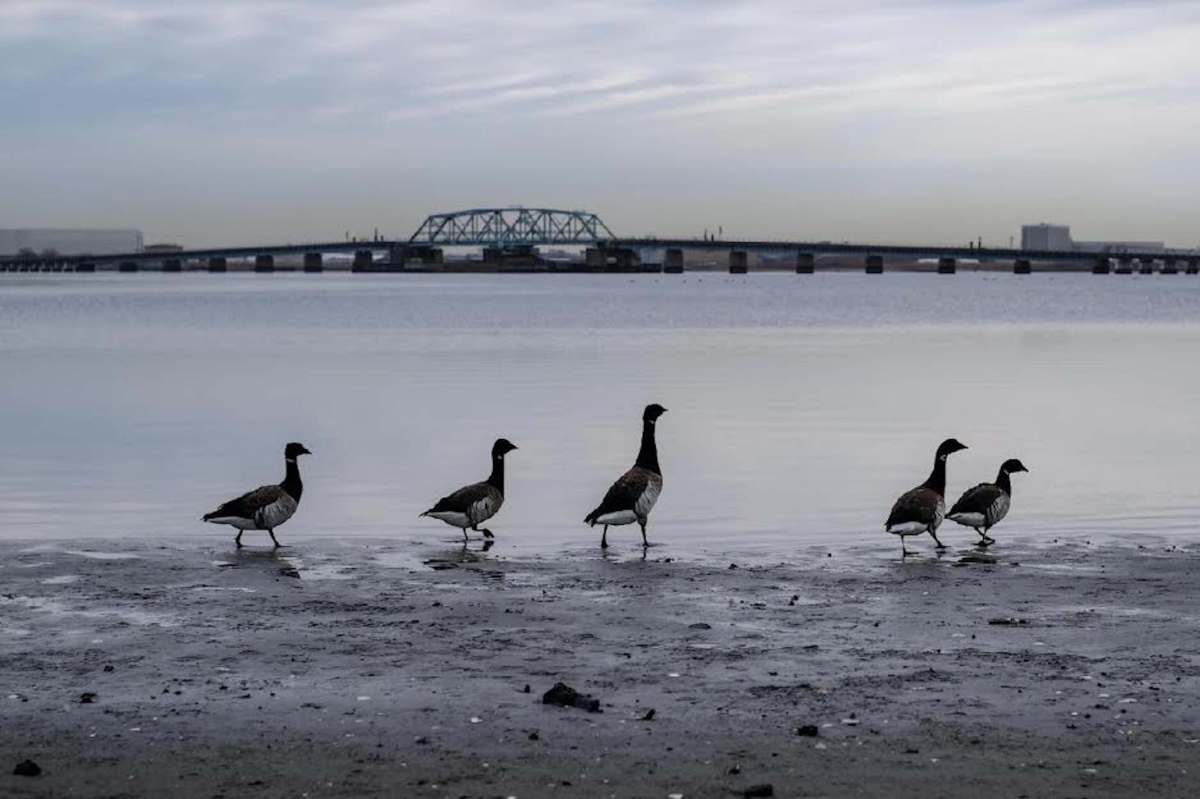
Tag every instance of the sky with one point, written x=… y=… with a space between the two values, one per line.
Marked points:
x=208 y=122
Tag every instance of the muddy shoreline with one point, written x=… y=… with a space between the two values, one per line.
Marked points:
x=373 y=669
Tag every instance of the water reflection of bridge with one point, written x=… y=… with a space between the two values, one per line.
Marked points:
x=509 y=240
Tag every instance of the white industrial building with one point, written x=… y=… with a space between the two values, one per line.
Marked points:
x=66 y=241
x=1058 y=239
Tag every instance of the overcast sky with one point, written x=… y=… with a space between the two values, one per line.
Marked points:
x=243 y=121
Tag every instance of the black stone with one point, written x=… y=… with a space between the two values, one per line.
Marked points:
x=87 y=698
x=566 y=696
x=27 y=768
x=808 y=731
x=766 y=789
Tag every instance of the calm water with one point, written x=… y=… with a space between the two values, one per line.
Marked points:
x=800 y=406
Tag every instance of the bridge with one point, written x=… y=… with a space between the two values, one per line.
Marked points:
x=509 y=238
x=509 y=227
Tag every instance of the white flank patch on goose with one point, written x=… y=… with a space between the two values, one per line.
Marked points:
x=907 y=528
x=453 y=518
x=617 y=517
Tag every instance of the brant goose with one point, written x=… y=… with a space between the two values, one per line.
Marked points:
x=632 y=497
x=472 y=505
x=987 y=504
x=921 y=510
x=267 y=507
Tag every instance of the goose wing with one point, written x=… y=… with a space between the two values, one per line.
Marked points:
x=624 y=493
x=245 y=506
x=478 y=501
x=920 y=505
x=977 y=500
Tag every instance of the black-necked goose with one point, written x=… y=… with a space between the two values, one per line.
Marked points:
x=922 y=509
x=267 y=507
x=985 y=505
x=471 y=506
x=632 y=497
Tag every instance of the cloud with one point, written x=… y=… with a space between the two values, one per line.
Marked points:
x=645 y=84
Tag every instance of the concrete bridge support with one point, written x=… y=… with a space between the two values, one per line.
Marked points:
x=172 y=265
x=1147 y=267
x=874 y=264
x=218 y=264
x=1124 y=265
x=1022 y=266
x=1193 y=266
x=947 y=266
x=314 y=262
x=1169 y=267
x=128 y=266
x=673 y=262
x=264 y=263
x=739 y=262
x=86 y=266
x=1101 y=266
x=806 y=263
x=613 y=259
x=363 y=261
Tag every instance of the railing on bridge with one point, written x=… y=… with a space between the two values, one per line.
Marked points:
x=509 y=227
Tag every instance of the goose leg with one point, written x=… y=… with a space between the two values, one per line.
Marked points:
x=984 y=539
x=642 y=524
x=238 y=540
x=904 y=553
x=933 y=533
x=487 y=533
x=464 y=534
x=604 y=538
x=274 y=540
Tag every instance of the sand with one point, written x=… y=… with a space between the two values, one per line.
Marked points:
x=358 y=669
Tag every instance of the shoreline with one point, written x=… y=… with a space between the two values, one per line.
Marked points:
x=373 y=669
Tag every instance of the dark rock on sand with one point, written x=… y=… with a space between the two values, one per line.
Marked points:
x=1010 y=621
x=87 y=698
x=27 y=768
x=700 y=626
x=565 y=695
x=649 y=715
x=808 y=731
x=766 y=789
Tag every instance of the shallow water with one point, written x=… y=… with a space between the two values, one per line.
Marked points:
x=800 y=406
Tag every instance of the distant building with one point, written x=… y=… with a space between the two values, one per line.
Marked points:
x=69 y=242
x=1046 y=237
x=1120 y=246
x=1058 y=238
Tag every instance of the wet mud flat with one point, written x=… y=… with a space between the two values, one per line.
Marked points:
x=373 y=669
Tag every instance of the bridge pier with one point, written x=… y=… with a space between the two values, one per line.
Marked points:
x=1022 y=266
x=128 y=266
x=264 y=262
x=806 y=263
x=874 y=264
x=1147 y=266
x=172 y=265
x=1101 y=266
x=1193 y=266
x=86 y=266
x=612 y=259
x=673 y=261
x=218 y=264
x=1124 y=265
x=739 y=262
x=947 y=266
x=314 y=262
x=1169 y=267
x=363 y=261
